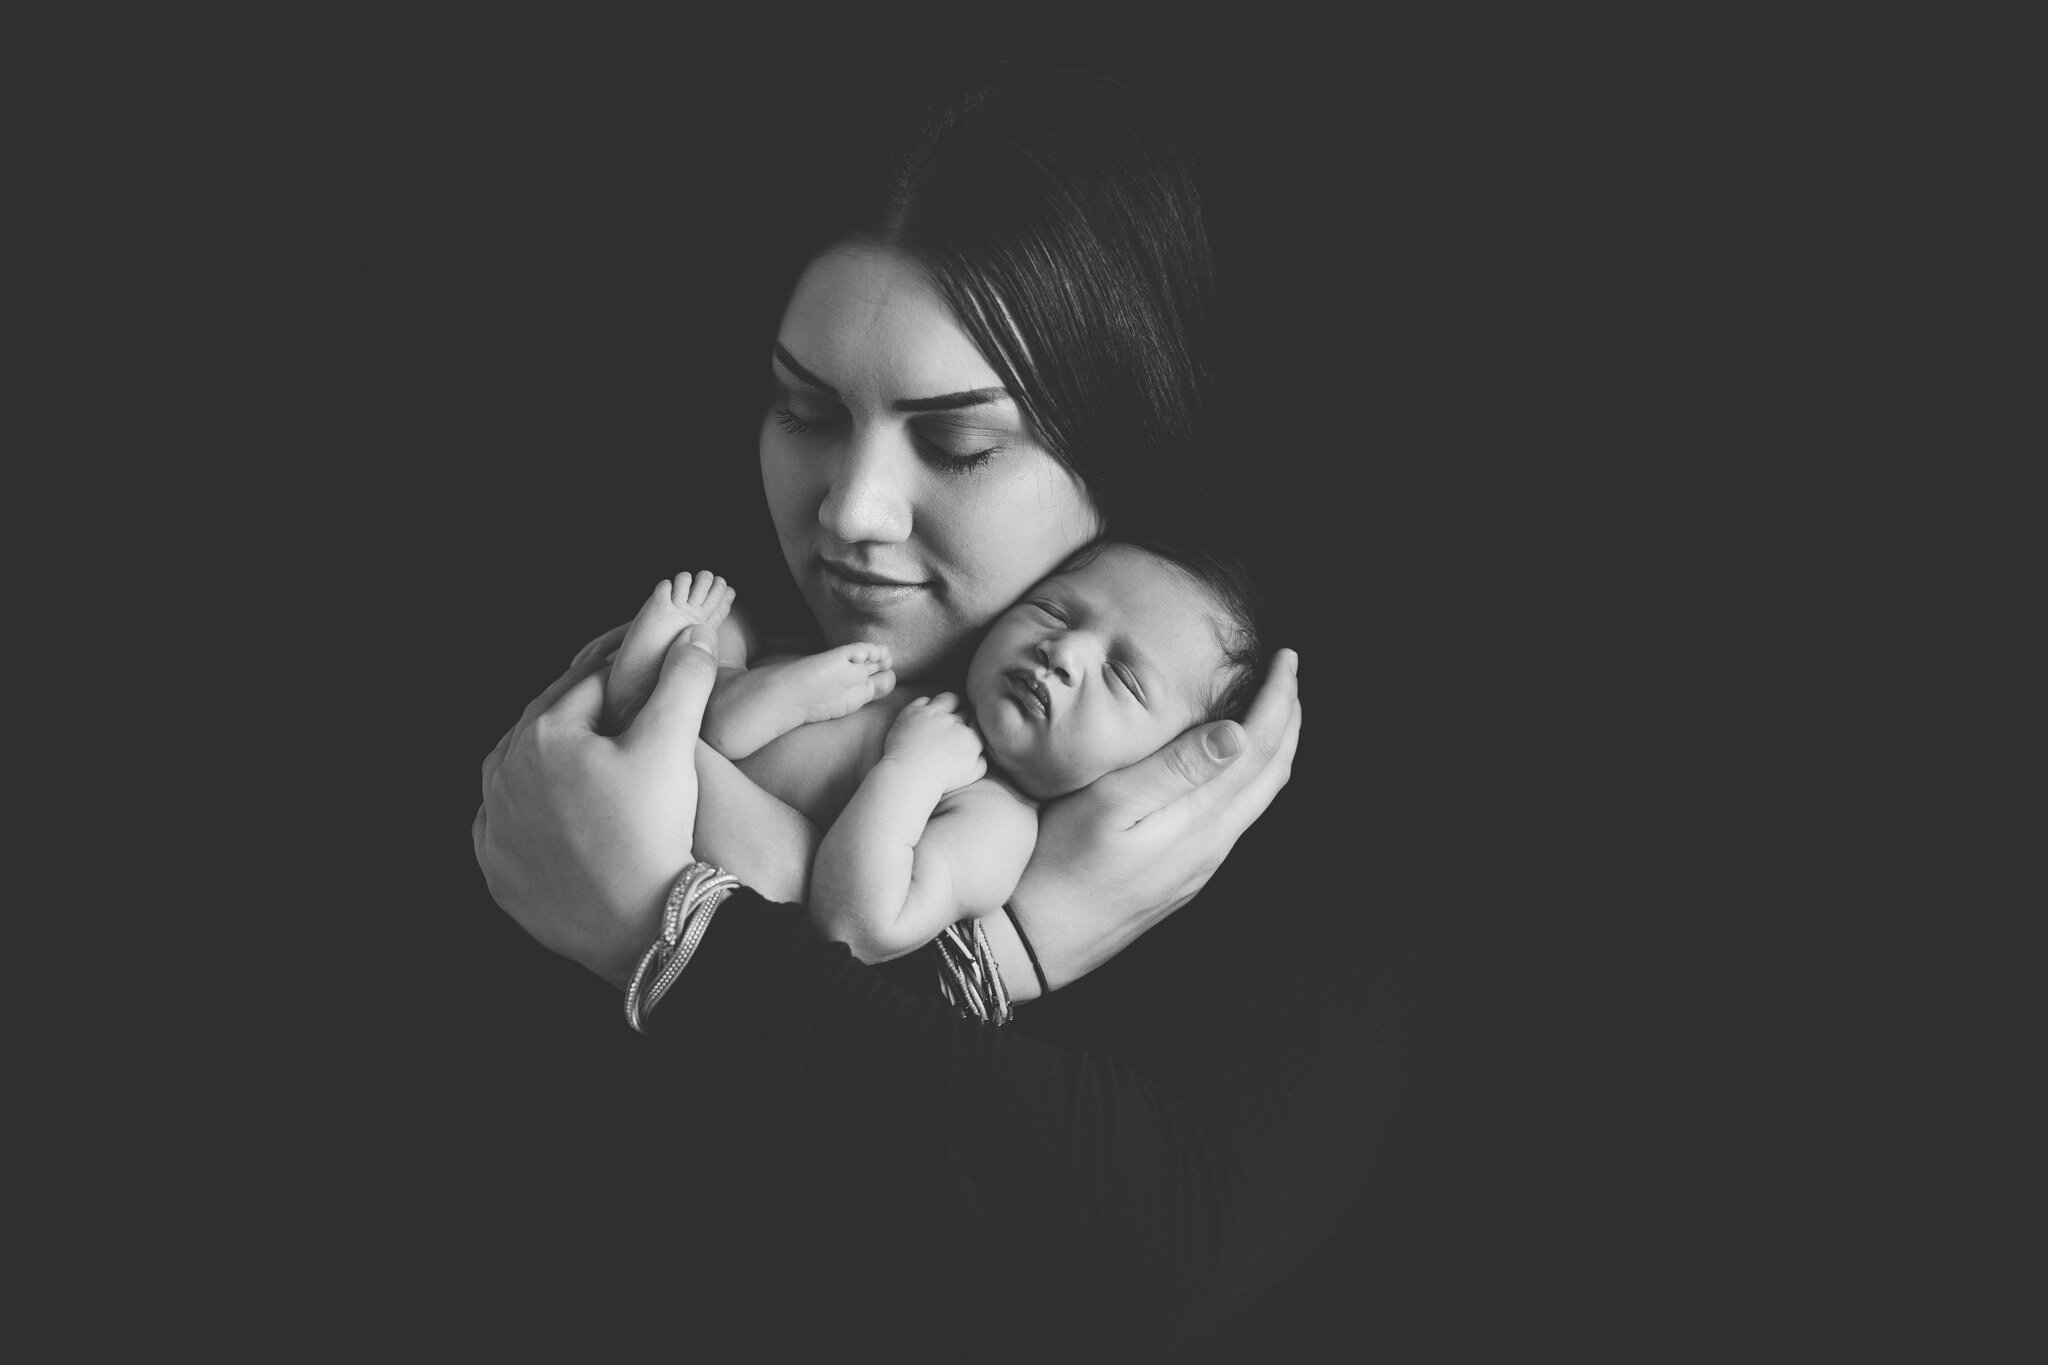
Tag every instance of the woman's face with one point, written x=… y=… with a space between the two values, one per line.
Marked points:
x=911 y=498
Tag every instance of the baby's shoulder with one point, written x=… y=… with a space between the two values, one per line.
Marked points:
x=992 y=798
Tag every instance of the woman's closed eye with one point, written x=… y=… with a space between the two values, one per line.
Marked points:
x=952 y=446
x=807 y=416
x=792 y=416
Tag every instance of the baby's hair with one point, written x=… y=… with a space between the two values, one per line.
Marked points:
x=1244 y=624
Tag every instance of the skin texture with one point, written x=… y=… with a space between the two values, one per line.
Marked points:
x=964 y=507
x=1122 y=654
x=580 y=833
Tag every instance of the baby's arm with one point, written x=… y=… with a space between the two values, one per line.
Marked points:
x=925 y=841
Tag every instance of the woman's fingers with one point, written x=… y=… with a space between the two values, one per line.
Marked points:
x=674 y=712
x=1209 y=766
x=1272 y=728
x=578 y=708
x=1235 y=804
x=603 y=644
x=1158 y=781
x=1277 y=694
x=588 y=660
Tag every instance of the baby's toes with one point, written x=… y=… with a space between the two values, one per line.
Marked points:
x=718 y=602
x=881 y=683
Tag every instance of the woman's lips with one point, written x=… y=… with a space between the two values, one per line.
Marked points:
x=866 y=591
x=1031 y=695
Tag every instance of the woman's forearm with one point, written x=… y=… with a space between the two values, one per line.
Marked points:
x=750 y=833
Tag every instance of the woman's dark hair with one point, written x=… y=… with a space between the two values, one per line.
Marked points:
x=1055 y=214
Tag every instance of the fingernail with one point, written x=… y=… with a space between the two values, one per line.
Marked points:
x=1223 y=742
x=701 y=637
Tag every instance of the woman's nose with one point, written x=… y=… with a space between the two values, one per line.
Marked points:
x=870 y=497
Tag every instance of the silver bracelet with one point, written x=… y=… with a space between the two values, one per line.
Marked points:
x=697 y=894
x=968 y=976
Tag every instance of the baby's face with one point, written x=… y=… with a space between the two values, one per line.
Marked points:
x=1093 y=670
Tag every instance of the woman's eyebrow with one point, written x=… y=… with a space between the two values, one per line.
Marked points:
x=803 y=375
x=945 y=402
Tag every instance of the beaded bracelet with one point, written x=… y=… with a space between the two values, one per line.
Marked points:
x=697 y=893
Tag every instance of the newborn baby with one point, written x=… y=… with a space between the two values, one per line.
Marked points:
x=933 y=808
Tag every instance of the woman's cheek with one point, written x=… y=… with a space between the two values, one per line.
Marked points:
x=785 y=480
x=993 y=565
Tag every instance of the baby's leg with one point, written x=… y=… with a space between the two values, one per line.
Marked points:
x=763 y=703
x=691 y=600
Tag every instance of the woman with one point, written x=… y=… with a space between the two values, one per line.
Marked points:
x=989 y=355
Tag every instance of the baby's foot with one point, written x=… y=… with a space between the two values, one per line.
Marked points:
x=750 y=708
x=701 y=599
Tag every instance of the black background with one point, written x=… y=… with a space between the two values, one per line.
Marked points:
x=1593 y=391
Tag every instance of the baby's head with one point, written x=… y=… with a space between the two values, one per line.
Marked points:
x=1121 y=649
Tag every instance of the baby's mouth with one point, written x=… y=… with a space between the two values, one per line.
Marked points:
x=1031 y=693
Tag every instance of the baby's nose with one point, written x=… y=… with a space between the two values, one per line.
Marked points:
x=1064 y=656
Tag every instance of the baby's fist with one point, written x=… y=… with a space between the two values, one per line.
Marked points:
x=931 y=732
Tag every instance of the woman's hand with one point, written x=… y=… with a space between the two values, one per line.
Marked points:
x=1129 y=849
x=580 y=836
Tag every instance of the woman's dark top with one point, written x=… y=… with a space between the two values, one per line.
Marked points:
x=1138 y=1159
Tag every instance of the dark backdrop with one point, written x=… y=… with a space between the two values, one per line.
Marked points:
x=1583 y=393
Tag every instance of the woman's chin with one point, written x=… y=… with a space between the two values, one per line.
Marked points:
x=926 y=645
x=910 y=652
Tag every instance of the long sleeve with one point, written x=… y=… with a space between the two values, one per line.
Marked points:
x=1152 y=1148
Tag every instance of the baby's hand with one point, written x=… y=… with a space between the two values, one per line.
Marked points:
x=932 y=733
